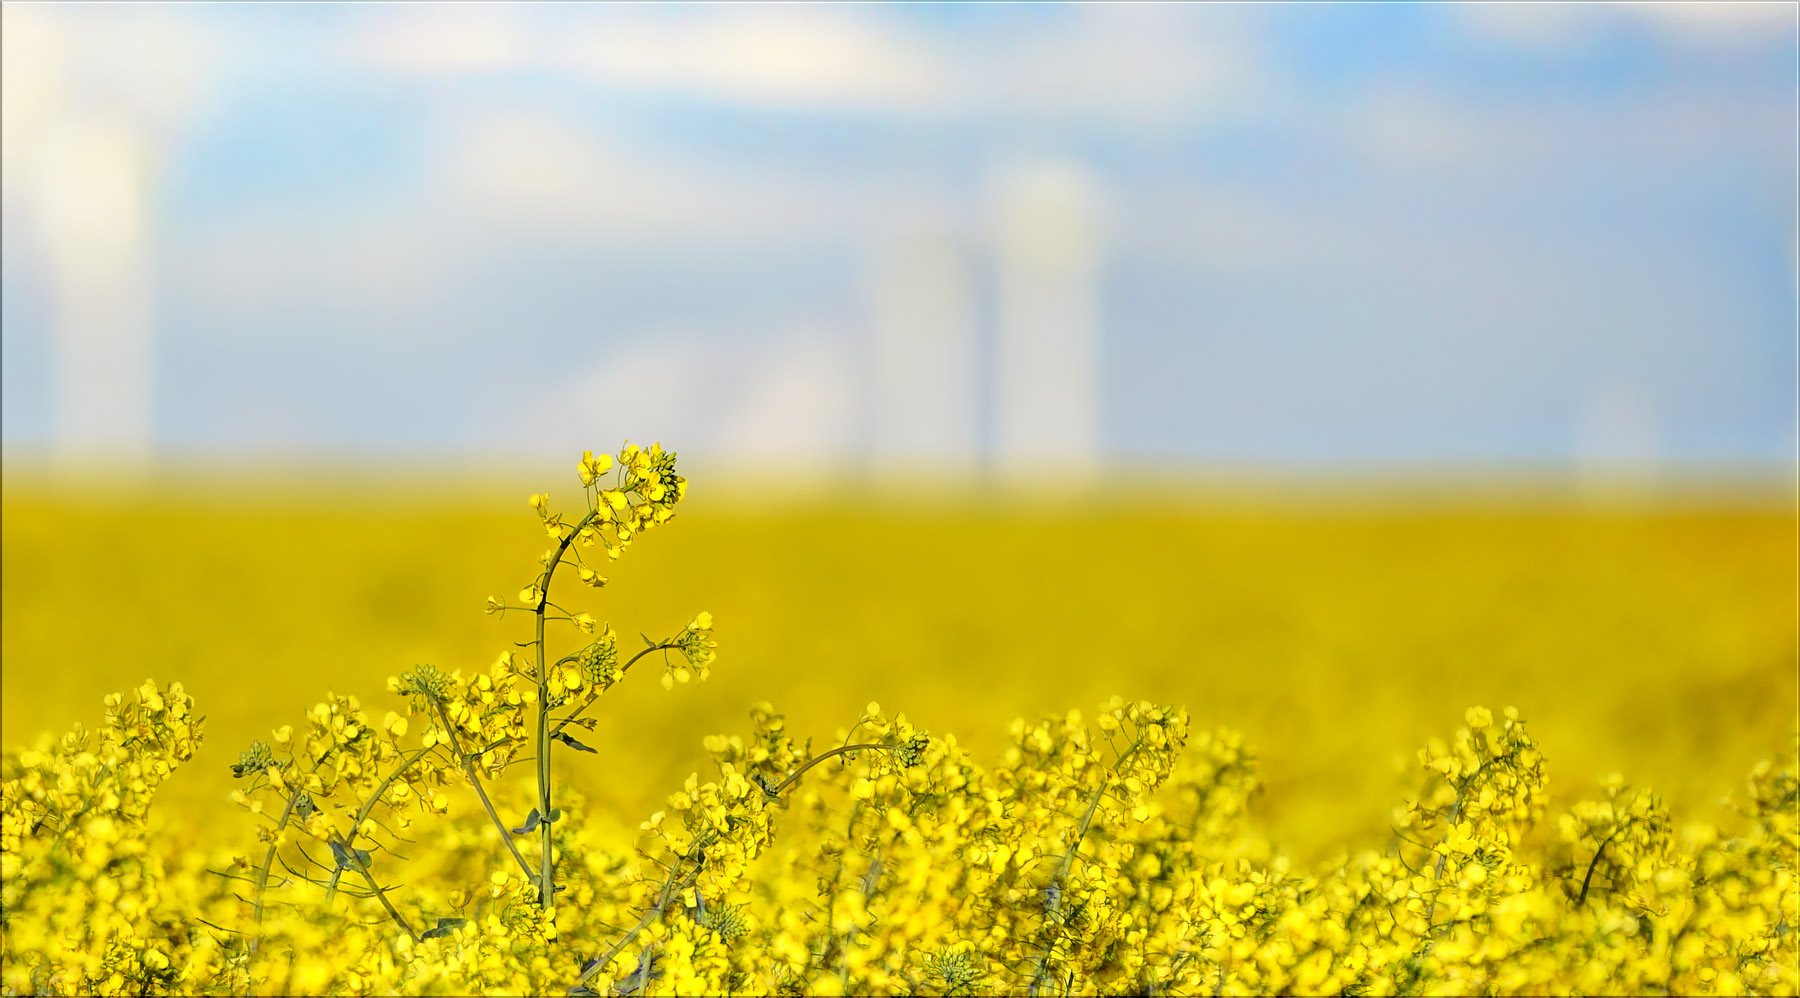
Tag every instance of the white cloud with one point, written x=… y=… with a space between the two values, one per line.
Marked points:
x=1138 y=65
x=1561 y=27
x=1725 y=25
x=1547 y=26
x=550 y=173
x=1131 y=64
x=542 y=171
x=769 y=56
x=387 y=265
x=442 y=38
x=502 y=179
x=787 y=399
x=1410 y=129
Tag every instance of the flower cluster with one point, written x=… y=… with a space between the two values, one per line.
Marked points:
x=643 y=493
x=432 y=850
x=85 y=906
x=1116 y=855
x=696 y=644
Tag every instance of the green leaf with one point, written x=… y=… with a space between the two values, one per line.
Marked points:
x=445 y=926
x=563 y=736
x=342 y=855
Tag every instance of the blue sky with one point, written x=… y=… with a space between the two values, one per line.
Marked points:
x=1313 y=235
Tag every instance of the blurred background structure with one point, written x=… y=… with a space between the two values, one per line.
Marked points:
x=872 y=240
x=267 y=269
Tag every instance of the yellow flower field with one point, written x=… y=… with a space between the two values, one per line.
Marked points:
x=1334 y=814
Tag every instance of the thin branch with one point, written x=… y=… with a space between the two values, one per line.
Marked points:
x=380 y=895
x=669 y=892
x=821 y=757
x=262 y=874
x=547 y=879
x=1068 y=860
x=468 y=765
x=1595 y=862
x=362 y=814
x=665 y=646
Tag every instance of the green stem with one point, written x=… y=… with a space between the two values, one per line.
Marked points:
x=380 y=894
x=262 y=874
x=589 y=702
x=1068 y=860
x=468 y=765
x=669 y=891
x=821 y=757
x=1437 y=869
x=1588 y=880
x=546 y=881
x=362 y=814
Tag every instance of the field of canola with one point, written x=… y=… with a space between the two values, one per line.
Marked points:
x=1298 y=795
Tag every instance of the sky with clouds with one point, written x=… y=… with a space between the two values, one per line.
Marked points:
x=1294 y=235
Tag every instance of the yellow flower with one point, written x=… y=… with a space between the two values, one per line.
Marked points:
x=592 y=467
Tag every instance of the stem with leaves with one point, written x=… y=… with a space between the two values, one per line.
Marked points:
x=775 y=791
x=262 y=873
x=671 y=888
x=468 y=766
x=1068 y=859
x=547 y=881
x=362 y=815
x=350 y=855
x=590 y=701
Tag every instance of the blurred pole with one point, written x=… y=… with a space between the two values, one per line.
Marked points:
x=1617 y=448
x=90 y=96
x=93 y=179
x=926 y=394
x=1046 y=409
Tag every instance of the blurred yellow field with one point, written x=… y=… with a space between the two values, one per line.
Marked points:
x=1186 y=499
x=1657 y=644
x=1133 y=853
